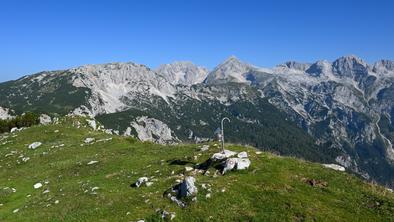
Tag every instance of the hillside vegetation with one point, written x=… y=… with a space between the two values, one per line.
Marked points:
x=91 y=181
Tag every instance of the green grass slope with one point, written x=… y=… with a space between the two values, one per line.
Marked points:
x=274 y=188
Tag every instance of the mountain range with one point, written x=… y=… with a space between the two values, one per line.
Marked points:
x=340 y=111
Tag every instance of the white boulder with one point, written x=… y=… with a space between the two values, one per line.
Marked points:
x=35 y=145
x=141 y=181
x=45 y=119
x=236 y=163
x=187 y=187
x=89 y=140
x=335 y=167
x=223 y=155
x=150 y=129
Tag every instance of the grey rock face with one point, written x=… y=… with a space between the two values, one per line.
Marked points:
x=187 y=188
x=150 y=129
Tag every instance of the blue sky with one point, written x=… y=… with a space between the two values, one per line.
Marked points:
x=37 y=35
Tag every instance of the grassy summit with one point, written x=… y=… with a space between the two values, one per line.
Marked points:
x=77 y=188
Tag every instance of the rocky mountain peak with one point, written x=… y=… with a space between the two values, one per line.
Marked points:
x=184 y=73
x=296 y=65
x=231 y=70
x=383 y=66
x=350 y=66
x=319 y=68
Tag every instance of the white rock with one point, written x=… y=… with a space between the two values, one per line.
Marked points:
x=15 y=211
x=223 y=155
x=57 y=201
x=92 y=162
x=258 y=152
x=141 y=181
x=188 y=169
x=45 y=119
x=204 y=148
x=92 y=123
x=89 y=140
x=37 y=185
x=187 y=187
x=14 y=130
x=45 y=191
x=229 y=164
x=95 y=188
x=334 y=167
x=35 y=145
x=208 y=195
x=242 y=155
x=148 y=184
x=236 y=163
x=243 y=164
x=150 y=129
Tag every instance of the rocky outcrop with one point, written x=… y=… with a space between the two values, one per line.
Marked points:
x=150 y=129
x=5 y=113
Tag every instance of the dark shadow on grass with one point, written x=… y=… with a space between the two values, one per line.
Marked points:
x=179 y=162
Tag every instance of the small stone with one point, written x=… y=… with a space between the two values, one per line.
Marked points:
x=208 y=195
x=204 y=148
x=37 y=185
x=188 y=169
x=258 y=152
x=56 y=201
x=148 y=184
x=92 y=162
x=95 y=188
x=15 y=211
x=141 y=181
x=45 y=191
x=89 y=140
x=35 y=145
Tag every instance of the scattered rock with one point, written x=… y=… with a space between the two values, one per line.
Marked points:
x=89 y=140
x=92 y=123
x=236 y=163
x=258 y=152
x=92 y=162
x=208 y=195
x=37 y=185
x=187 y=187
x=242 y=155
x=335 y=167
x=13 y=130
x=166 y=215
x=188 y=169
x=35 y=145
x=204 y=148
x=141 y=180
x=148 y=184
x=243 y=164
x=15 y=211
x=45 y=191
x=56 y=201
x=223 y=155
x=45 y=119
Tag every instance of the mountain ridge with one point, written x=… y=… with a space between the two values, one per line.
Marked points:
x=345 y=105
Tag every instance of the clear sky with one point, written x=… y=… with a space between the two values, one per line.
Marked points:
x=37 y=35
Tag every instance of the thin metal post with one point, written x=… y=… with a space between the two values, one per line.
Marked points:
x=225 y=118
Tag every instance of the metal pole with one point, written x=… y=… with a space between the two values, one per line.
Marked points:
x=225 y=118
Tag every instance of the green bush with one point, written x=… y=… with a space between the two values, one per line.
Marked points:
x=25 y=120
